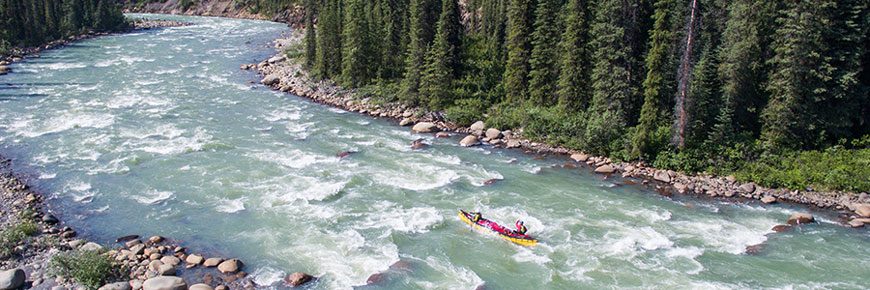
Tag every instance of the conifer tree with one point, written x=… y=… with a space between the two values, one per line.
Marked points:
x=520 y=21
x=442 y=58
x=543 y=73
x=657 y=87
x=357 y=52
x=573 y=83
x=392 y=51
x=329 y=40
x=417 y=48
x=310 y=35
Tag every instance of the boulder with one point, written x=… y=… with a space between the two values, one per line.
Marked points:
x=493 y=133
x=212 y=262
x=580 y=157
x=194 y=259
x=768 y=199
x=425 y=127
x=4 y=68
x=136 y=284
x=222 y=287
x=298 y=278
x=131 y=243
x=170 y=260
x=863 y=210
x=117 y=286
x=512 y=144
x=154 y=265
x=855 y=223
x=747 y=188
x=156 y=239
x=164 y=283
x=801 y=218
x=137 y=249
x=605 y=169
x=275 y=59
x=662 y=176
x=230 y=266
x=76 y=243
x=91 y=246
x=200 y=286
x=49 y=219
x=405 y=122
x=12 y=279
x=166 y=270
x=477 y=126
x=680 y=187
x=469 y=141
x=442 y=135
x=270 y=80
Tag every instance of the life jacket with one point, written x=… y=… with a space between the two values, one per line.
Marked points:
x=521 y=229
x=476 y=217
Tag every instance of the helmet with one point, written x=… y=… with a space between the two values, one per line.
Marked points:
x=520 y=221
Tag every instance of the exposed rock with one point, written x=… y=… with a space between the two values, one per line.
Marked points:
x=154 y=265
x=477 y=126
x=156 y=239
x=164 y=283
x=855 y=223
x=418 y=144
x=425 y=127
x=212 y=262
x=200 y=286
x=493 y=133
x=662 y=176
x=166 y=270
x=863 y=210
x=755 y=249
x=127 y=238
x=780 y=228
x=194 y=259
x=374 y=279
x=136 y=284
x=405 y=122
x=230 y=266
x=11 y=279
x=138 y=249
x=747 y=188
x=768 y=199
x=49 y=219
x=680 y=187
x=343 y=154
x=605 y=169
x=801 y=218
x=469 y=141
x=76 y=243
x=512 y=144
x=4 y=68
x=91 y=246
x=580 y=157
x=222 y=287
x=275 y=59
x=132 y=242
x=442 y=135
x=270 y=80
x=170 y=260
x=117 y=286
x=298 y=278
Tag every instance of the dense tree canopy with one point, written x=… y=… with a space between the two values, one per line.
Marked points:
x=33 y=22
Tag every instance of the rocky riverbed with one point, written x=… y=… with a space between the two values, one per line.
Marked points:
x=287 y=75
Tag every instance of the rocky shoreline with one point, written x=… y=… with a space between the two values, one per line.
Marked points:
x=288 y=76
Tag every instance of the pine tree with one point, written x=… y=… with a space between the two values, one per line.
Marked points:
x=417 y=48
x=573 y=83
x=392 y=50
x=310 y=35
x=356 y=46
x=611 y=75
x=442 y=58
x=329 y=40
x=657 y=87
x=520 y=20
x=543 y=73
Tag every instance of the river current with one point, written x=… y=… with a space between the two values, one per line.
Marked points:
x=159 y=133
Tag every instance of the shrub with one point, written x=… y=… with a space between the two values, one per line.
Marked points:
x=467 y=111
x=13 y=235
x=91 y=268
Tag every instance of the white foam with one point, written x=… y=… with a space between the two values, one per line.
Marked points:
x=152 y=196
x=410 y=220
x=80 y=191
x=68 y=120
x=628 y=241
x=726 y=236
x=267 y=276
x=231 y=205
x=456 y=277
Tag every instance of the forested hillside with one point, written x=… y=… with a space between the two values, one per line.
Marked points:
x=752 y=87
x=33 y=22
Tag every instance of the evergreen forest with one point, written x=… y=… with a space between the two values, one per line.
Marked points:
x=772 y=91
x=25 y=23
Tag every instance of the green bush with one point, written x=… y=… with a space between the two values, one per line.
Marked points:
x=467 y=111
x=91 y=268
x=186 y=4
x=10 y=237
x=835 y=168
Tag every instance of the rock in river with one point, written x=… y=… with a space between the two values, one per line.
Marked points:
x=801 y=218
x=200 y=286
x=863 y=210
x=11 y=279
x=493 y=133
x=605 y=169
x=212 y=262
x=425 y=127
x=230 y=266
x=194 y=259
x=298 y=278
x=164 y=283
x=270 y=80
x=469 y=141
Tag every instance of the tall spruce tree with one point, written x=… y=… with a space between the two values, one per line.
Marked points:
x=544 y=69
x=573 y=83
x=356 y=46
x=611 y=75
x=392 y=50
x=520 y=19
x=659 y=82
x=442 y=58
x=329 y=40
x=310 y=35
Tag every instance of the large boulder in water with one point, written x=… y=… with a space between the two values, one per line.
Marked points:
x=493 y=133
x=469 y=141
x=863 y=210
x=298 y=278
x=425 y=127
x=230 y=266
x=801 y=218
x=11 y=279
x=164 y=283
x=605 y=169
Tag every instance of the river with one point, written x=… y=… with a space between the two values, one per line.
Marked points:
x=159 y=133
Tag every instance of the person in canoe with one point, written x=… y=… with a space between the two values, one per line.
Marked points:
x=476 y=217
x=521 y=229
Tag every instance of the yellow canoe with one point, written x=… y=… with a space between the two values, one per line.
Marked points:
x=488 y=226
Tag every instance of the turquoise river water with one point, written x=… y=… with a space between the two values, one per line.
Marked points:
x=160 y=133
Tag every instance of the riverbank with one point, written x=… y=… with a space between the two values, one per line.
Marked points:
x=287 y=75
x=218 y=8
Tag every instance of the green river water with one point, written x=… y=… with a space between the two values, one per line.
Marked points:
x=160 y=133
